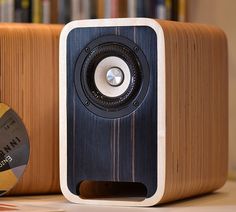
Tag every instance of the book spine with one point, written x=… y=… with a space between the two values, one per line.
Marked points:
x=75 y=9
x=182 y=10
x=26 y=11
x=149 y=8
x=100 y=6
x=132 y=8
x=168 y=4
x=54 y=11
x=86 y=9
x=22 y=11
x=36 y=10
x=61 y=11
x=3 y=11
x=67 y=7
x=115 y=8
x=18 y=11
x=46 y=15
x=140 y=8
x=10 y=11
x=107 y=8
x=122 y=8
x=64 y=11
x=174 y=10
x=160 y=11
x=93 y=6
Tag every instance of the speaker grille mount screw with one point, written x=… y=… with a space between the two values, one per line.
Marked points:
x=86 y=103
x=136 y=103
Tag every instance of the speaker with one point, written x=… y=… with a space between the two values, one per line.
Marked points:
x=143 y=111
x=29 y=85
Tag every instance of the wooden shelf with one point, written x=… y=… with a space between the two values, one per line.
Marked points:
x=222 y=200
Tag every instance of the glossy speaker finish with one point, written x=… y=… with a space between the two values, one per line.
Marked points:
x=174 y=141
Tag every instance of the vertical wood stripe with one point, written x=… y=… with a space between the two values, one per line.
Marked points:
x=118 y=150
x=133 y=145
x=114 y=151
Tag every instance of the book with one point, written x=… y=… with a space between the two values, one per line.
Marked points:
x=122 y=9
x=2 y=10
x=174 y=10
x=149 y=8
x=160 y=9
x=86 y=9
x=54 y=11
x=10 y=10
x=18 y=11
x=22 y=13
x=132 y=8
x=140 y=8
x=107 y=8
x=7 y=10
x=76 y=9
x=94 y=8
x=182 y=10
x=115 y=8
x=36 y=11
x=64 y=11
x=168 y=5
x=26 y=14
x=100 y=8
x=81 y=9
x=46 y=12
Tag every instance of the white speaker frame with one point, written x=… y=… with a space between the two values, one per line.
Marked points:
x=161 y=108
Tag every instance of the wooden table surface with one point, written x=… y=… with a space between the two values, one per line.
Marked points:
x=223 y=200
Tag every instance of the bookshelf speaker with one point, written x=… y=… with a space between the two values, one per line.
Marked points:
x=29 y=85
x=143 y=111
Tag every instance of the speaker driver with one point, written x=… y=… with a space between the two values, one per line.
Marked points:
x=110 y=77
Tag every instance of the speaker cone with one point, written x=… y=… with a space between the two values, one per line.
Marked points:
x=110 y=75
x=94 y=72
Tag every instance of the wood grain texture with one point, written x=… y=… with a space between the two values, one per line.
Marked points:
x=196 y=109
x=29 y=84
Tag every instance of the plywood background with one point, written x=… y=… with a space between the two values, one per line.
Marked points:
x=222 y=14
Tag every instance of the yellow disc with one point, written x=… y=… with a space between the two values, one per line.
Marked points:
x=14 y=148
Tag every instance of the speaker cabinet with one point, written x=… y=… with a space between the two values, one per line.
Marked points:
x=143 y=111
x=29 y=85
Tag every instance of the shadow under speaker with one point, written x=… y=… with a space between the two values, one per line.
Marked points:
x=143 y=111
